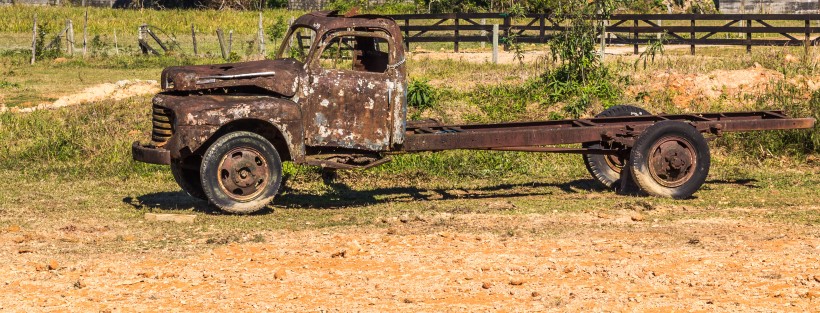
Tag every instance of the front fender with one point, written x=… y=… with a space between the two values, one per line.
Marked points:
x=198 y=117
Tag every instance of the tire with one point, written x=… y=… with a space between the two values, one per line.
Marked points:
x=186 y=174
x=241 y=172
x=670 y=159
x=607 y=168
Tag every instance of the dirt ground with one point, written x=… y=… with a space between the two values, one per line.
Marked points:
x=617 y=260
x=106 y=91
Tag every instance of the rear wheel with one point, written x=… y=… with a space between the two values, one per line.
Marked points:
x=670 y=159
x=186 y=174
x=607 y=168
x=241 y=172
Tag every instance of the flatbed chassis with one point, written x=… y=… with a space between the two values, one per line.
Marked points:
x=532 y=136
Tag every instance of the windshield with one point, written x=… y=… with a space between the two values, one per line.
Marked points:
x=298 y=45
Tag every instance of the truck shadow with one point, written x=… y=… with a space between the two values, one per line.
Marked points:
x=341 y=195
x=171 y=201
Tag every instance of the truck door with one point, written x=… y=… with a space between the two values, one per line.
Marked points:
x=350 y=91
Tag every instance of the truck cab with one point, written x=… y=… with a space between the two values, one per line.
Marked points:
x=333 y=97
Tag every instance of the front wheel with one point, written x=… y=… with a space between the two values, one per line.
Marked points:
x=670 y=159
x=241 y=172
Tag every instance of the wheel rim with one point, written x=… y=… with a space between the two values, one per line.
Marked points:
x=243 y=173
x=672 y=161
x=614 y=161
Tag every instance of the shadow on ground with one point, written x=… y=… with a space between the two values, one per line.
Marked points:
x=341 y=195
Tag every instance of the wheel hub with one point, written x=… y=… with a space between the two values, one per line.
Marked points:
x=672 y=161
x=242 y=173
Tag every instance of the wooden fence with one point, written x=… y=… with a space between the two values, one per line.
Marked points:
x=631 y=29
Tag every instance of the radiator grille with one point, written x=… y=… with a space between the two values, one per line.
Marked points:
x=163 y=125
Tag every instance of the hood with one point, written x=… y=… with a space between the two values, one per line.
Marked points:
x=278 y=76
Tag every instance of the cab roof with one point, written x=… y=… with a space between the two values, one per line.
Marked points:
x=323 y=21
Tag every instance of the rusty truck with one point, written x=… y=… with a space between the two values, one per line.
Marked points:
x=335 y=97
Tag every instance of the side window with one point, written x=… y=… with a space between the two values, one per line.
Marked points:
x=298 y=44
x=356 y=53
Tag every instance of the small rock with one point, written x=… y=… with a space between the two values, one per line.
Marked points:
x=408 y=300
x=817 y=277
x=404 y=218
x=636 y=217
x=486 y=285
x=535 y=294
x=52 y=264
x=279 y=274
x=516 y=281
x=391 y=231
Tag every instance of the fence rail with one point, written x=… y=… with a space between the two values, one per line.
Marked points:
x=631 y=29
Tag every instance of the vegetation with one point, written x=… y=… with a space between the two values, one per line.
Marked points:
x=420 y=96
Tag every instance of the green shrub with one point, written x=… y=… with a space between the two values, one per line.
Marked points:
x=420 y=96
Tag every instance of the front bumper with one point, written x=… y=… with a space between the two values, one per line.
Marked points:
x=150 y=154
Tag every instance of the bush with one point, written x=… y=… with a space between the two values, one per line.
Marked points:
x=420 y=96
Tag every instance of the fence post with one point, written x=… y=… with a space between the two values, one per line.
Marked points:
x=34 y=40
x=70 y=36
x=193 y=39
x=230 y=42
x=495 y=43
x=635 y=37
x=222 y=48
x=748 y=36
x=483 y=32
x=507 y=25
x=261 y=36
x=808 y=37
x=692 y=38
x=116 y=45
x=290 y=40
x=85 y=33
x=407 y=34
x=541 y=25
x=455 y=33
x=603 y=38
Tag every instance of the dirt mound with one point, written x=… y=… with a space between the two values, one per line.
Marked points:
x=687 y=89
x=107 y=91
